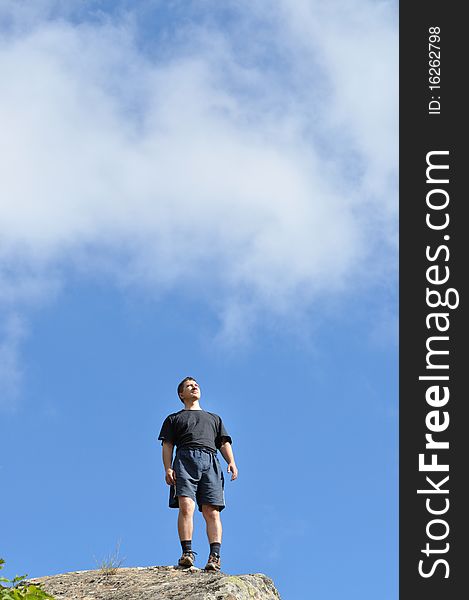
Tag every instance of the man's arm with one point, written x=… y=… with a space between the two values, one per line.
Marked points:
x=227 y=453
x=170 y=475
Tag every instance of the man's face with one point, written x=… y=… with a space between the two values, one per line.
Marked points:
x=190 y=391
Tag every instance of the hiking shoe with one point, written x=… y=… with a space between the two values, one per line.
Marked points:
x=213 y=563
x=187 y=559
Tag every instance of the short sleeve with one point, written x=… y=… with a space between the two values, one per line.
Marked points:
x=222 y=435
x=167 y=431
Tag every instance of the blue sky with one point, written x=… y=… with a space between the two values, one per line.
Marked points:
x=195 y=190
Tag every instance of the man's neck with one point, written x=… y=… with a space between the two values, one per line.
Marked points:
x=192 y=405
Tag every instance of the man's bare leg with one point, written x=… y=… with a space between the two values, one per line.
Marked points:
x=212 y=519
x=214 y=531
x=186 y=518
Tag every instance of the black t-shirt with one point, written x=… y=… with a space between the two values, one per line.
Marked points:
x=194 y=429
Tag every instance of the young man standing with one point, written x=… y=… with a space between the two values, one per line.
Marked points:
x=195 y=476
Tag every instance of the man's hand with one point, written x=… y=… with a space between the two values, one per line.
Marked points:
x=170 y=476
x=227 y=452
x=233 y=469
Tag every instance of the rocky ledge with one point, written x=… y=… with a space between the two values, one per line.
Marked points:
x=157 y=583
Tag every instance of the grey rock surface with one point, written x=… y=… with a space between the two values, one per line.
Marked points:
x=157 y=583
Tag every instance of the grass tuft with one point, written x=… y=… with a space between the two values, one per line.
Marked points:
x=112 y=562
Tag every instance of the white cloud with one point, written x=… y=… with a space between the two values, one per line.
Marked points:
x=268 y=183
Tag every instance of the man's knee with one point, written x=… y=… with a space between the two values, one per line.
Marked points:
x=186 y=505
x=210 y=512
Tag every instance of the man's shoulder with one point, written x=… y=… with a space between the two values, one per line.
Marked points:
x=213 y=415
x=174 y=414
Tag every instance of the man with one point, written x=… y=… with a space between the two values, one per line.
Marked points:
x=195 y=476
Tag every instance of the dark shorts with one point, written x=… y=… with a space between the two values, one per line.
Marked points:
x=198 y=476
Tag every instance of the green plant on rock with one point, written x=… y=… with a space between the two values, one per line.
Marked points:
x=18 y=588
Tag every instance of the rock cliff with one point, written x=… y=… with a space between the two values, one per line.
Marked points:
x=157 y=583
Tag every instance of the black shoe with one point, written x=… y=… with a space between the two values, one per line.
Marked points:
x=187 y=559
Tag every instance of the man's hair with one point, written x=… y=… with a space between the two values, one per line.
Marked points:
x=181 y=386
